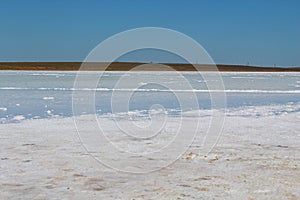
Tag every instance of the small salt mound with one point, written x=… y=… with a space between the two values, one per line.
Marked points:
x=3 y=109
x=48 y=98
x=19 y=117
x=49 y=112
x=142 y=83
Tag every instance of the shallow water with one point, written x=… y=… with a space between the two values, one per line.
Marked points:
x=31 y=94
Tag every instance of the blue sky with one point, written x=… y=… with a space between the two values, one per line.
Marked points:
x=260 y=32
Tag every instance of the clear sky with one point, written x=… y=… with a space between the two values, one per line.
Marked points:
x=261 y=32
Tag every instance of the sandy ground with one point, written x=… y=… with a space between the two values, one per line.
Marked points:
x=256 y=158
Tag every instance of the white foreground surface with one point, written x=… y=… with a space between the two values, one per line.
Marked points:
x=257 y=157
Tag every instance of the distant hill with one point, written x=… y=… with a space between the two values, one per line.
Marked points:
x=126 y=66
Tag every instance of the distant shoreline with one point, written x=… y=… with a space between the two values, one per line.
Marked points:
x=126 y=66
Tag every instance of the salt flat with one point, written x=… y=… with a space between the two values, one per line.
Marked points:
x=257 y=157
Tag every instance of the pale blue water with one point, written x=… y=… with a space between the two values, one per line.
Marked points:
x=34 y=94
